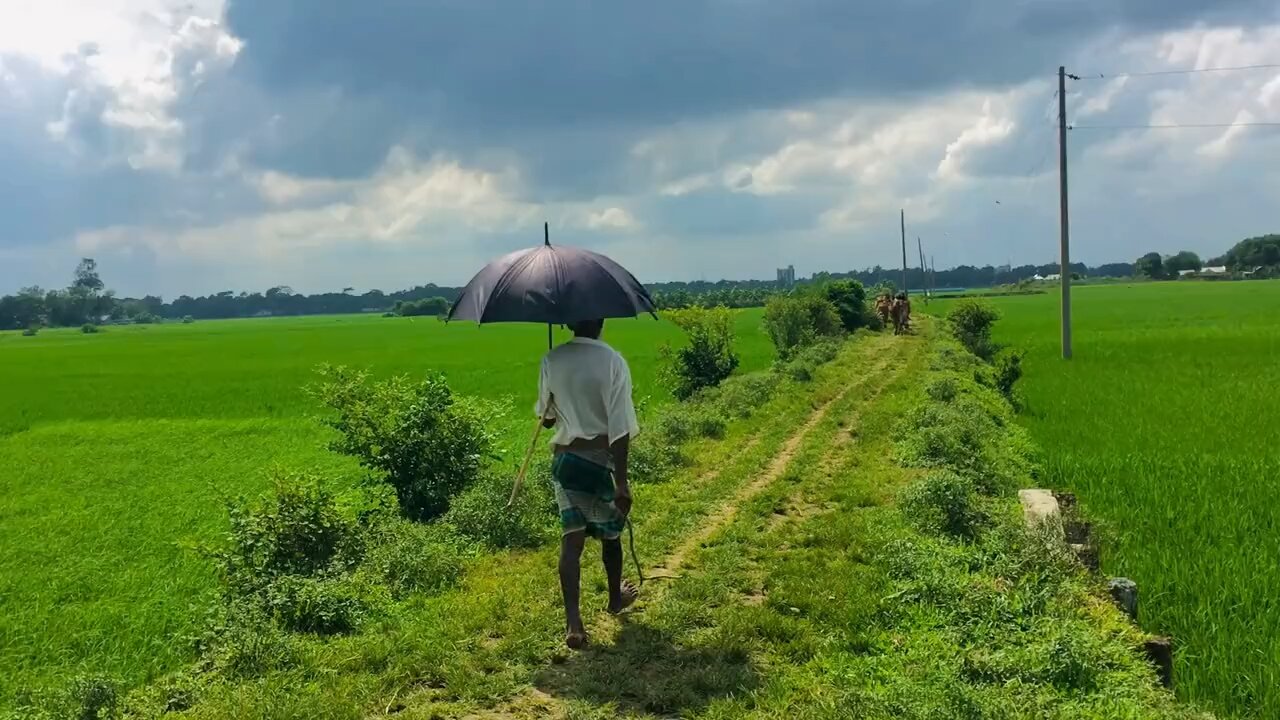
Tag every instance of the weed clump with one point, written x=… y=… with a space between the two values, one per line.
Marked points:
x=946 y=503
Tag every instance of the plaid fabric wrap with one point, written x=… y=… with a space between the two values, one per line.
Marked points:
x=584 y=494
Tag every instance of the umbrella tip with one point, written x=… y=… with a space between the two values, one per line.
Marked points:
x=546 y=234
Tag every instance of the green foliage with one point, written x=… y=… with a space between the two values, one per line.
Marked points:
x=740 y=396
x=427 y=306
x=298 y=531
x=708 y=357
x=970 y=322
x=86 y=697
x=805 y=363
x=1185 y=260
x=147 y=318
x=1262 y=251
x=409 y=557
x=89 y=329
x=480 y=513
x=187 y=319
x=850 y=301
x=797 y=321
x=31 y=331
x=1151 y=266
x=944 y=502
x=681 y=424
x=415 y=435
x=1006 y=371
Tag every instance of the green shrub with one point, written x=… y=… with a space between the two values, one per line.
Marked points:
x=1006 y=371
x=961 y=436
x=970 y=322
x=708 y=358
x=739 y=396
x=944 y=502
x=187 y=319
x=797 y=321
x=653 y=458
x=480 y=514
x=321 y=605
x=30 y=331
x=681 y=423
x=409 y=557
x=299 y=531
x=89 y=328
x=415 y=435
x=241 y=641
x=146 y=318
x=806 y=362
x=849 y=298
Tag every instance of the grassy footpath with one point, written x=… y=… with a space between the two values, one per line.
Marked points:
x=793 y=587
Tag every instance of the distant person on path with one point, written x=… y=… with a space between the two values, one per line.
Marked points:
x=584 y=392
x=883 y=305
x=901 y=312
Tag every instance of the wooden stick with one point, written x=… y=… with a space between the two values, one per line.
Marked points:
x=524 y=466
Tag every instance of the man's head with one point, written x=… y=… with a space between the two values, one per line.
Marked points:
x=588 y=328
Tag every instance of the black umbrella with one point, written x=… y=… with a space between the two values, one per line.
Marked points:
x=551 y=284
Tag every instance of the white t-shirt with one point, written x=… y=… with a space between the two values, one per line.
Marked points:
x=586 y=386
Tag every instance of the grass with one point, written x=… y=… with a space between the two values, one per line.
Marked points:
x=1165 y=423
x=116 y=449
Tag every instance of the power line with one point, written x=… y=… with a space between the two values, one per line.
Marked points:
x=1173 y=126
x=1109 y=76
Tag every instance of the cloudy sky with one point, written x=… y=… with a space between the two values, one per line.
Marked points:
x=202 y=145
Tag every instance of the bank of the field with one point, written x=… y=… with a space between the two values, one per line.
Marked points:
x=1164 y=423
x=117 y=447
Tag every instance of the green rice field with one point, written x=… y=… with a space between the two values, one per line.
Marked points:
x=117 y=448
x=1167 y=425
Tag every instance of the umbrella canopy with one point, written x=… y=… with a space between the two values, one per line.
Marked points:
x=554 y=285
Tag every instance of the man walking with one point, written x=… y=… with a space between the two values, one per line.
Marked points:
x=584 y=392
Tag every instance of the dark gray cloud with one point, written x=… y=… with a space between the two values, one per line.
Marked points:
x=482 y=72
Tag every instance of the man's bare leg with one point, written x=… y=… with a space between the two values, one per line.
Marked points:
x=621 y=594
x=571 y=545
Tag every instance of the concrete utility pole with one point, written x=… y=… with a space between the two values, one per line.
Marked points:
x=924 y=273
x=1066 y=234
x=903 y=217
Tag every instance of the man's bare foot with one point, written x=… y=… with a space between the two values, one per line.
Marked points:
x=576 y=639
x=626 y=598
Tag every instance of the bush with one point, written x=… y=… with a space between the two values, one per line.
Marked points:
x=1006 y=371
x=415 y=435
x=849 y=298
x=242 y=641
x=299 y=531
x=708 y=358
x=970 y=322
x=681 y=423
x=410 y=557
x=89 y=329
x=187 y=319
x=738 y=397
x=807 y=361
x=944 y=502
x=653 y=458
x=146 y=318
x=480 y=513
x=322 y=605
x=794 y=322
x=31 y=331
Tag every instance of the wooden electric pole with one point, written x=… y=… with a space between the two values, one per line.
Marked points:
x=1066 y=234
x=903 y=217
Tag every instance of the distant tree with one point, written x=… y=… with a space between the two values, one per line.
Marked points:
x=348 y=290
x=1185 y=260
x=1150 y=265
x=1261 y=251
x=86 y=277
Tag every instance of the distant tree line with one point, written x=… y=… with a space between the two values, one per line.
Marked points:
x=87 y=300
x=1254 y=257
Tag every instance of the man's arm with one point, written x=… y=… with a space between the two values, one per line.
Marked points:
x=620 y=449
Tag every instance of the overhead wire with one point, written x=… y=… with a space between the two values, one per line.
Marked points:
x=1187 y=71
